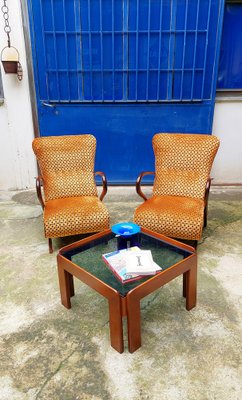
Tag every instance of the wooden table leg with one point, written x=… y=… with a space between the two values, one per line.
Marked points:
x=134 y=323
x=184 y=287
x=191 y=287
x=71 y=285
x=64 y=283
x=116 y=323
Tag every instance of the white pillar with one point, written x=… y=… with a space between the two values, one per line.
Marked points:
x=227 y=125
x=17 y=162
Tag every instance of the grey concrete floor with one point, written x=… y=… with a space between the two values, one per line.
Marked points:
x=49 y=353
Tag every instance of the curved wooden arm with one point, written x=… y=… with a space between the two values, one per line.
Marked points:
x=39 y=183
x=208 y=184
x=138 y=183
x=104 y=182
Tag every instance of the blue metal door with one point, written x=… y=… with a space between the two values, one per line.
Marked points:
x=124 y=70
x=230 y=63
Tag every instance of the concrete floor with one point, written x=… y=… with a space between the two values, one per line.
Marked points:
x=49 y=353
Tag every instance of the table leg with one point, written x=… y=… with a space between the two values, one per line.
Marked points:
x=191 y=287
x=71 y=285
x=64 y=283
x=184 y=288
x=116 y=324
x=134 y=323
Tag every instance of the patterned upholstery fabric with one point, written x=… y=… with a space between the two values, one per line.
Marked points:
x=183 y=163
x=182 y=167
x=178 y=217
x=66 y=164
x=72 y=205
x=73 y=215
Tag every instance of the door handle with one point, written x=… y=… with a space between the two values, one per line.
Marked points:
x=48 y=104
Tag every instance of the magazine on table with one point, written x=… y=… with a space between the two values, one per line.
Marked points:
x=131 y=264
x=141 y=262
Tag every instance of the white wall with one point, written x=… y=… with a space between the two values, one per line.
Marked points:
x=17 y=164
x=17 y=161
x=227 y=125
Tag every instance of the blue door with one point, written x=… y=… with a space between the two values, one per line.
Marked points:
x=124 y=70
x=230 y=62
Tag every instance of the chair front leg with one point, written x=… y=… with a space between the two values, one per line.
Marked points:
x=50 y=245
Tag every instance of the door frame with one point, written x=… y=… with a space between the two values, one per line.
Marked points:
x=30 y=66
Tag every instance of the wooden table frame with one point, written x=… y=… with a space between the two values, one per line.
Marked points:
x=128 y=305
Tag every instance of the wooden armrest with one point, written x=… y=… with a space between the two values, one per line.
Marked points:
x=138 y=183
x=104 y=183
x=39 y=183
x=208 y=185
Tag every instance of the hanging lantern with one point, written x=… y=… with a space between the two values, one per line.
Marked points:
x=9 y=54
x=10 y=60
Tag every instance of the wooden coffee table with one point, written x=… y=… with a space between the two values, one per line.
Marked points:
x=83 y=260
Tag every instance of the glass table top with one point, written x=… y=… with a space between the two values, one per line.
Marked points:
x=89 y=258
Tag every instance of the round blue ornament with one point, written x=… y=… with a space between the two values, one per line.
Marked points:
x=125 y=229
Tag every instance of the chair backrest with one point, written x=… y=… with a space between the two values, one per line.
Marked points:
x=67 y=165
x=183 y=163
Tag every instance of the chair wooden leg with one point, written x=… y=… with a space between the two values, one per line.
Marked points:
x=195 y=244
x=50 y=245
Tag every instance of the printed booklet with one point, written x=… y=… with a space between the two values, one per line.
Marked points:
x=131 y=264
x=141 y=262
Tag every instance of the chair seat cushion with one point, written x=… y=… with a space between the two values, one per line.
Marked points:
x=75 y=215
x=174 y=216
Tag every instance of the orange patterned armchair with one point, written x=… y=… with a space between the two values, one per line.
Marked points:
x=71 y=204
x=178 y=206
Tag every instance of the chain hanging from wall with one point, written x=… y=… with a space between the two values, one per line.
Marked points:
x=9 y=54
